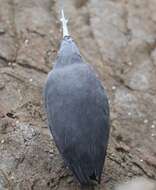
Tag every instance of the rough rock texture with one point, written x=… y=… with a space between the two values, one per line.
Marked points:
x=119 y=39
x=139 y=183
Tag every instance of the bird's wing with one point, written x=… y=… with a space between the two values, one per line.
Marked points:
x=79 y=123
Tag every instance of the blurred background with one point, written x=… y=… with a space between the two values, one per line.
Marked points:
x=118 y=38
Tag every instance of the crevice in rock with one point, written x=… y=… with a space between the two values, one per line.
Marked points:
x=14 y=29
x=27 y=65
x=4 y=60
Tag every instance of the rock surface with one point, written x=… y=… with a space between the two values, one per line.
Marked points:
x=119 y=39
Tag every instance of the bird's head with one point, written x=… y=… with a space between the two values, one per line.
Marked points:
x=68 y=53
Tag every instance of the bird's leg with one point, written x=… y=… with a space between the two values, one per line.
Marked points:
x=106 y=179
x=64 y=24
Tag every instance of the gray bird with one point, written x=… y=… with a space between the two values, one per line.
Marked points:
x=78 y=112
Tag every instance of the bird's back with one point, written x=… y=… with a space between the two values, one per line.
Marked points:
x=78 y=115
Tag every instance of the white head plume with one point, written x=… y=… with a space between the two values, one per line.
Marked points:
x=64 y=24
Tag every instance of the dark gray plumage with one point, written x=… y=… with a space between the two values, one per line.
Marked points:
x=78 y=113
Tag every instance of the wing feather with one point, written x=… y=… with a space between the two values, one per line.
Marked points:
x=78 y=115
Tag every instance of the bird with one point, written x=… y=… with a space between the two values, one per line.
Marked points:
x=77 y=110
